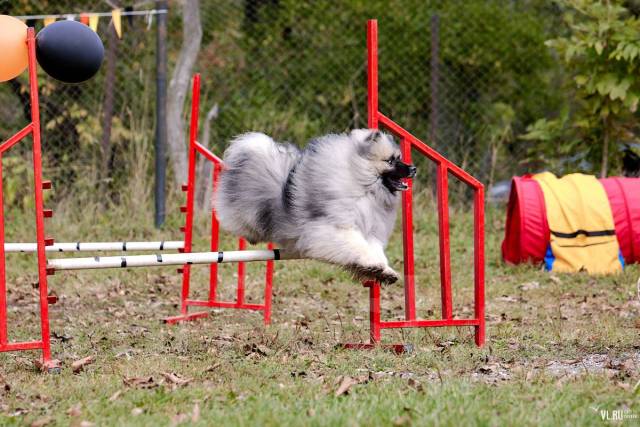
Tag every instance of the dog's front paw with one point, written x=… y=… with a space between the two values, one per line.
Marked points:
x=383 y=274
x=388 y=276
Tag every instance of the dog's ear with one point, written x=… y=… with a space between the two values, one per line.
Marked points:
x=374 y=134
x=361 y=135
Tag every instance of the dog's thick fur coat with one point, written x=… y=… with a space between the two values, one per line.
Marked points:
x=334 y=201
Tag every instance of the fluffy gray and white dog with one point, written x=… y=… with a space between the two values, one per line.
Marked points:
x=334 y=201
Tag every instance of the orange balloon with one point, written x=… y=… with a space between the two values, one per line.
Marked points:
x=13 y=45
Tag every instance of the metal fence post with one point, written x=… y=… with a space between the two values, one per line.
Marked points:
x=435 y=78
x=161 y=114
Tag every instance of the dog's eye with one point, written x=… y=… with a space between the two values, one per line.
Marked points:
x=390 y=161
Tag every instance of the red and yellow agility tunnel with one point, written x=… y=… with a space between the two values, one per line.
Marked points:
x=573 y=223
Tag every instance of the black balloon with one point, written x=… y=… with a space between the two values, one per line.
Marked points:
x=69 y=51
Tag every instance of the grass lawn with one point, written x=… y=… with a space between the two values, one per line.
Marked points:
x=561 y=349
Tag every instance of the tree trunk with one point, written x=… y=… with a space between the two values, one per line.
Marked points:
x=179 y=85
x=108 y=103
x=605 y=149
x=204 y=189
x=494 y=161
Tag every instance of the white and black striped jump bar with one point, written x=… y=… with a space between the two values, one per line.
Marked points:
x=97 y=246
x=164 y=259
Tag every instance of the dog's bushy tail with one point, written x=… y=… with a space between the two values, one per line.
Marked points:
x=248 y=199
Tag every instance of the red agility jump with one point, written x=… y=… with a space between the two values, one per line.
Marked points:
x=196 y=148
x=33 y=130
x=408 y=142
x=444 y=167
x=187 y=257
x=46 y=244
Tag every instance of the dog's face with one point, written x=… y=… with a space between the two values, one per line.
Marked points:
x=384 y=157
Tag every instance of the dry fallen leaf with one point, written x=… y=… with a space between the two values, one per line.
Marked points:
x=4 y=385
x=74 y=411
x=555 y=279
x=143 y=383
x=179 y=419
x=529 y=285
x=445 y=344
x=213 y=368
x=18 y=412
x=176 y=379
x=415 y=384
x=115 y=396
x=79 y=365
x=628 y=367
x=61 y=337
x=195 y=414
x=52 y=365
x=41 y=422
x=347 y=382
x=403 y=420
x=507 y=298
x=624 y=386
x=257 y=349
x=137 y=411
x=486 y=369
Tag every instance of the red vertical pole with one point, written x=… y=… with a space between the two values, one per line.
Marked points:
x=407 y=240
x=242 y=245
x=374 y=311
x=268 y=289
x=191 y=184
x=3 y=277
x=478 y=219
x=372 y=116
x=215 y=231
x=37 y=178
x=372 y=73
x=443 y=225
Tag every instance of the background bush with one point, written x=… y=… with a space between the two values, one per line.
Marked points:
x=298 y=69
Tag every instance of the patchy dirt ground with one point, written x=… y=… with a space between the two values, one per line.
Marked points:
x=557 y=346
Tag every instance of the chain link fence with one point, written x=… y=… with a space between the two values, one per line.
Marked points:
x=468 y=76
x=96 y=133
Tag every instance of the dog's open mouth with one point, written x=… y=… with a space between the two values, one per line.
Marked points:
x=401 y=185
x=396 y=184
x=395 y=179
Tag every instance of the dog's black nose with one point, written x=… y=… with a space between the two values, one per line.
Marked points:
x=412 y=171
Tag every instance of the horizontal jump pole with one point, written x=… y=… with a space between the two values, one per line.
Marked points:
x=164 y=259
x=97 y=246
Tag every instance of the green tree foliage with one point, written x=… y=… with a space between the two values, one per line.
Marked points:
x=601 y=53
x=298 y=69
x=72 y=115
